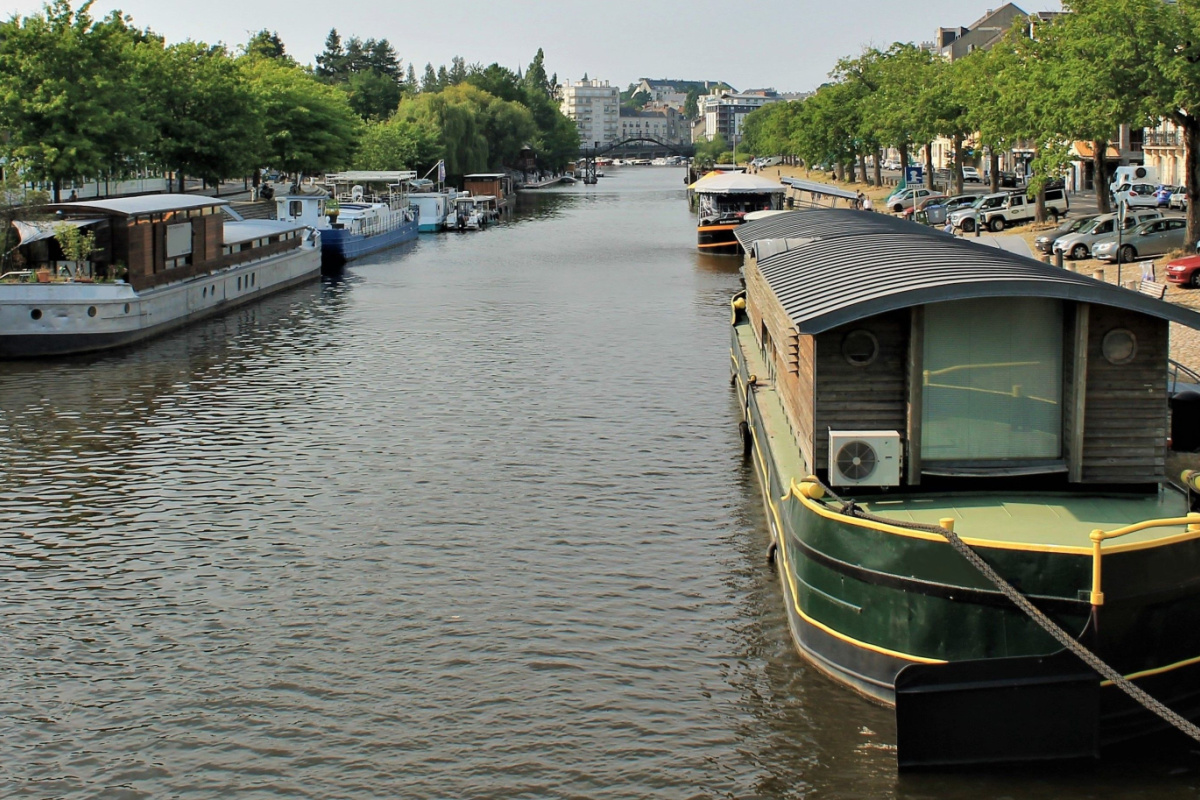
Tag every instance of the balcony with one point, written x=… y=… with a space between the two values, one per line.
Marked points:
x=1163 y=139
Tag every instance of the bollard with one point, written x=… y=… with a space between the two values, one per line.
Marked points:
x=1058 y=258
x=1046 y=259
x=1098 y=274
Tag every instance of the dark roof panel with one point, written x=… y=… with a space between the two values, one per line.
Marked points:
x=841 y=265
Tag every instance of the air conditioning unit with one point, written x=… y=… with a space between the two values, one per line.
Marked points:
x=864 y=458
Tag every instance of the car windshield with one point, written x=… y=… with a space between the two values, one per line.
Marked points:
x=1089 y=226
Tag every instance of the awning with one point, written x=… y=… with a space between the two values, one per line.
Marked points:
x=737 y=183
x=820 y=188
x=1086 y=151
x=36 y=231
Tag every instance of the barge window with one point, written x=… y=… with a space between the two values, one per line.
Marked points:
x=992 y=384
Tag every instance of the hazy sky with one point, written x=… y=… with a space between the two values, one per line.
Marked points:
x=790 y=45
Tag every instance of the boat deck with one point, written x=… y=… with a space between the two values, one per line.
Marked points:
x=1057 y=520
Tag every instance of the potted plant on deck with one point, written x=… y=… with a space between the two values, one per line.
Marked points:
x=77 y=246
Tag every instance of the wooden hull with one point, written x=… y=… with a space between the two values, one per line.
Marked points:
x=865 y=604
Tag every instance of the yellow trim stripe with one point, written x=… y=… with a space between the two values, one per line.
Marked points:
x=1157 y=671
x=702 y=228
x=766 y=484
x=997 y=544
x=719 y=244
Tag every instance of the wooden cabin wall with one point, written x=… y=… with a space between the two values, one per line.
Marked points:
x=873 y=397
x=140 y=238
x=1125 y=415
x=1075 y=319
x=792 y=357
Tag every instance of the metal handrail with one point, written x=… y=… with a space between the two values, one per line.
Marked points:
x=1099 y=537
x=1175 y=369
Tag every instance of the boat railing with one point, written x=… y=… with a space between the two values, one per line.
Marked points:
x=1190 y=523
x=1177 y=372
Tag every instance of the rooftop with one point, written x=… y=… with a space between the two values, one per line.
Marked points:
x=898 y=264
x=142 y=204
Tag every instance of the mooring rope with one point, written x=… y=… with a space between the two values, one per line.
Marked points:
x=1050 y=626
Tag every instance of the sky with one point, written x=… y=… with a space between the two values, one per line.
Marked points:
x=790 y=45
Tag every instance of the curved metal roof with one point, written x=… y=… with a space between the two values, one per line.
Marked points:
x=736 y=183
x=140 y=204
x=840 y=265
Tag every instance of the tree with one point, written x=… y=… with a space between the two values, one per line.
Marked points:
x=76 y=245
x=1095 y=71
x=1175 y=92
x=497 y=81
x=202 y=110
x=67 y=104
x=535 y=80
x=430 y=83
x=410 y=81
x=691 y=106
x=331 y=63
x=398 y=144
x=458 y=72
x=309 y=127
x=267 y=44
x=373 y=95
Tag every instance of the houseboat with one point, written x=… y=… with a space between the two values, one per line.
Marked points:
x=943 y=432
x=431 y=203
x=722 y=201
x=497 y=185
x=357 y=213
x=161 y=261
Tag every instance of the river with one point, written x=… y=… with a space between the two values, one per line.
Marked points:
x=471 y=521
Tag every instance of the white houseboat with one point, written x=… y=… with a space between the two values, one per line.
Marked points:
x=161 y=261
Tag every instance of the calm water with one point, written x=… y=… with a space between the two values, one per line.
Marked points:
x=472 y=522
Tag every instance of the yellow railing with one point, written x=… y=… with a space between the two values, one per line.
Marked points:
x=1099 y=537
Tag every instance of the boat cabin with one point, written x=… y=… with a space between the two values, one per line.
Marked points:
x=148 y=240
x=727 y=195
x=960 y=362
x=496 y=184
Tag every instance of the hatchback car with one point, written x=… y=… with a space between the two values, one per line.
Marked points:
x=1178 y=198
x=1045 y=242
x=1185 y=271
x=1163 y=195
x=1148 y=239
x=1079 y=244
x=1136 y=195
x=907 y=198
x=971 y=174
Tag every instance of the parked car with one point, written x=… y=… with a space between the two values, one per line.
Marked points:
x=1178 y=198
x=936 y=213
x=1079 y=244
x=911 y=195
x=1045 y=242
x=922 y=204
x=1009 y=179
x=1136 y=195
x=1185 y=271
x=1152 y=238
x=971 y=174
x=1163 y=195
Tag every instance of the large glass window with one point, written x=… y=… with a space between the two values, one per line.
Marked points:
x=992 y=380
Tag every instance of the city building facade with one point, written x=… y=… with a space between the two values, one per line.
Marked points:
x=724 y=112
x=593 y=106
x=663 y=123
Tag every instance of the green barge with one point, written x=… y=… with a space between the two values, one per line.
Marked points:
x=940 y=385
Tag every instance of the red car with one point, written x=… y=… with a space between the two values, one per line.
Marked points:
x=1185 y=271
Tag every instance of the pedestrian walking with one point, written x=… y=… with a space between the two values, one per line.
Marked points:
x=867 y=204
x=858 y=201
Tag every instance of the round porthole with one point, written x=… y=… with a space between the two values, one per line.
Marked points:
x=1119 y=346
x=91 y=311
x=860 y=348
x=35 y=314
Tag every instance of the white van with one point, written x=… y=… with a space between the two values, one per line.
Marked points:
x=1134 y=173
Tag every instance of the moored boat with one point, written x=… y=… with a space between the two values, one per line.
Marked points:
x=161 y=261
x=359 y=213
x=722 y=201
x=968 y=402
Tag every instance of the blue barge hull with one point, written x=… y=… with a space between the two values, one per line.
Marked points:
x=340 y=245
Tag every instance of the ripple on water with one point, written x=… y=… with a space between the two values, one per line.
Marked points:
x=471 y=521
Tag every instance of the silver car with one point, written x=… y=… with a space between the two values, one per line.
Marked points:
x=1148 y=239
x=1079 y=244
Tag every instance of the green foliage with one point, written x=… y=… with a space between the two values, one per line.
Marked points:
x=398 y=144
x=76 y=245
x=373 y=95
x=67 y=99
x=709 y=153
x=267 y=44
x=198 y=102
x=691 y=106
x=309 y=127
